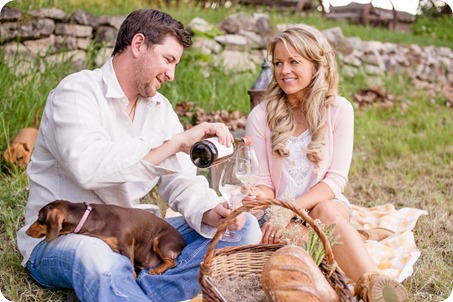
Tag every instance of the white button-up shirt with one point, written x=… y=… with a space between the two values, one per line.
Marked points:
x=88 y=150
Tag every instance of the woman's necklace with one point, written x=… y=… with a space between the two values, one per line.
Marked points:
x=294 y=106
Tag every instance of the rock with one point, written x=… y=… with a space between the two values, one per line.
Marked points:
x=240 y=21
x=73 y=30
x=8 y=14
x=50 y=13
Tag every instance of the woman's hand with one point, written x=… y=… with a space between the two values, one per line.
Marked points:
x=296 y=233
x=255 y=194
x=271 y=234
x=251 y=196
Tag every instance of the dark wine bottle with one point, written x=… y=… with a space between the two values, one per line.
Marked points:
x=208 y=152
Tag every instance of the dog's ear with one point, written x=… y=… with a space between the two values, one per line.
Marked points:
x=54 y=223
x=26 y=148
x=7 y=154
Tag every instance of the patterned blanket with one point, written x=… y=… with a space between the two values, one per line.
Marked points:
x=396 y=254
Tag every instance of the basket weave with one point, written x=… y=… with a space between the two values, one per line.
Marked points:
x=248 y=260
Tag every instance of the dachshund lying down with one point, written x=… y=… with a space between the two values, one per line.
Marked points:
x=135 y=233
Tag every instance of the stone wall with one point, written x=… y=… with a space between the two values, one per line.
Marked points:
x=238 y=43
x=52 y=35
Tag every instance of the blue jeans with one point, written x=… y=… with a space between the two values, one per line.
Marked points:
x=96 y=273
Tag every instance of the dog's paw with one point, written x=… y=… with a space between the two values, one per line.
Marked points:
x=156 y=271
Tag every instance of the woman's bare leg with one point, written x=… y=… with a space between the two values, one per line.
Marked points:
x=352 y=255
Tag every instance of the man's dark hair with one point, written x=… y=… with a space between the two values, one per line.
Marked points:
x=154 y=25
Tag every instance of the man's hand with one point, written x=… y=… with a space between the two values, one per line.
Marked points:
x=189 y=137
x=216 y=216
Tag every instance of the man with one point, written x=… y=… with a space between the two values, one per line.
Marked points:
x=107 y=136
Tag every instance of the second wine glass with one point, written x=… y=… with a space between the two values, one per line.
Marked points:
x=232 y=190
x=249 y=173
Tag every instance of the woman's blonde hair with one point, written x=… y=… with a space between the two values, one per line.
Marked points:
x=309 y=43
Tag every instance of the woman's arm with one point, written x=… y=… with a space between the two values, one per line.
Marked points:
x=317 y=193
x=342 y=139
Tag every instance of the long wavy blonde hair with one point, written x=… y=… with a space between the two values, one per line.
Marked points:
x=309 y=43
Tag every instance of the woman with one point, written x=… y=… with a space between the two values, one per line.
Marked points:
x=303 y=136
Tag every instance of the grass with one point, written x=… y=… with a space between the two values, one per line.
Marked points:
x=402 y=155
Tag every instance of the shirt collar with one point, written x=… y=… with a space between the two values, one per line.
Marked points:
x=113 y=88
x=111 y=81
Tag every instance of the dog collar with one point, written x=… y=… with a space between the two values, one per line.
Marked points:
x=88 y=209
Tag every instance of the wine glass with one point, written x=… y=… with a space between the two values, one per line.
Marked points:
x=232 y=190
x=249 y=174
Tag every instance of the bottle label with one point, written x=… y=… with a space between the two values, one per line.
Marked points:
x=221 y=149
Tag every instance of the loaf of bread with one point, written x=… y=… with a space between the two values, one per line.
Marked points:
x=290 y=274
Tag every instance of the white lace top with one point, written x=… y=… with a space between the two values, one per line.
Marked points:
x=297 y=169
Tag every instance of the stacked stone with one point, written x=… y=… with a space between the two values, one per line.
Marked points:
x=238 y=44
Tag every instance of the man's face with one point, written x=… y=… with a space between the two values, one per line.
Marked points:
x=156 y=65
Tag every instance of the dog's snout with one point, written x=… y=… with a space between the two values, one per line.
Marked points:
x=37 y=230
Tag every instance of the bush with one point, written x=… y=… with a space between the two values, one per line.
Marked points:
x=440 y=30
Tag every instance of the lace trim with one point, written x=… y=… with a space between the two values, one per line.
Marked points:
x=298 y=165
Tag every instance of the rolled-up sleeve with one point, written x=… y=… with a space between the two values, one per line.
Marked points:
x=189 y=194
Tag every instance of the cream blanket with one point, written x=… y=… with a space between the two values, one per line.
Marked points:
x=396 y=254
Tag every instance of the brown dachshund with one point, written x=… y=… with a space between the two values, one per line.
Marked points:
x=19 y=151
x=135 y=233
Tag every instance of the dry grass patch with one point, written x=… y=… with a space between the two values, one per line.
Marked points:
x=423 y=181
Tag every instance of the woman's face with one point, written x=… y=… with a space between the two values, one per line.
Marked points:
x=292 y=71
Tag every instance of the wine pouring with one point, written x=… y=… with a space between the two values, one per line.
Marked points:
x=208 y=152
x=232 y=190
x=249 y=173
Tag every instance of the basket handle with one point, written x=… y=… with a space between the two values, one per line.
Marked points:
x=205 y=266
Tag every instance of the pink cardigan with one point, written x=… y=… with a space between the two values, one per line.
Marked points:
x=336 y=155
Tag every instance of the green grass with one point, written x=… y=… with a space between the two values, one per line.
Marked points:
x=402 y=155
x=209 y=87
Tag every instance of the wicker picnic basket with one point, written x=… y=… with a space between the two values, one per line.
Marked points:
x=248 y=260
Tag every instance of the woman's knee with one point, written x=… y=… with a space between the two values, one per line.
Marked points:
x=329 y=212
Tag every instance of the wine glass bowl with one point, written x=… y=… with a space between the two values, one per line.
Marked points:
x=248 y=172
x=232 y=190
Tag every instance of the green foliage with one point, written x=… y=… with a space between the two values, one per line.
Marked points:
x=200 y=80
x=314 y=245
x=24 y=87
x=211 y=33
x=438 y=29
x=295 y=234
